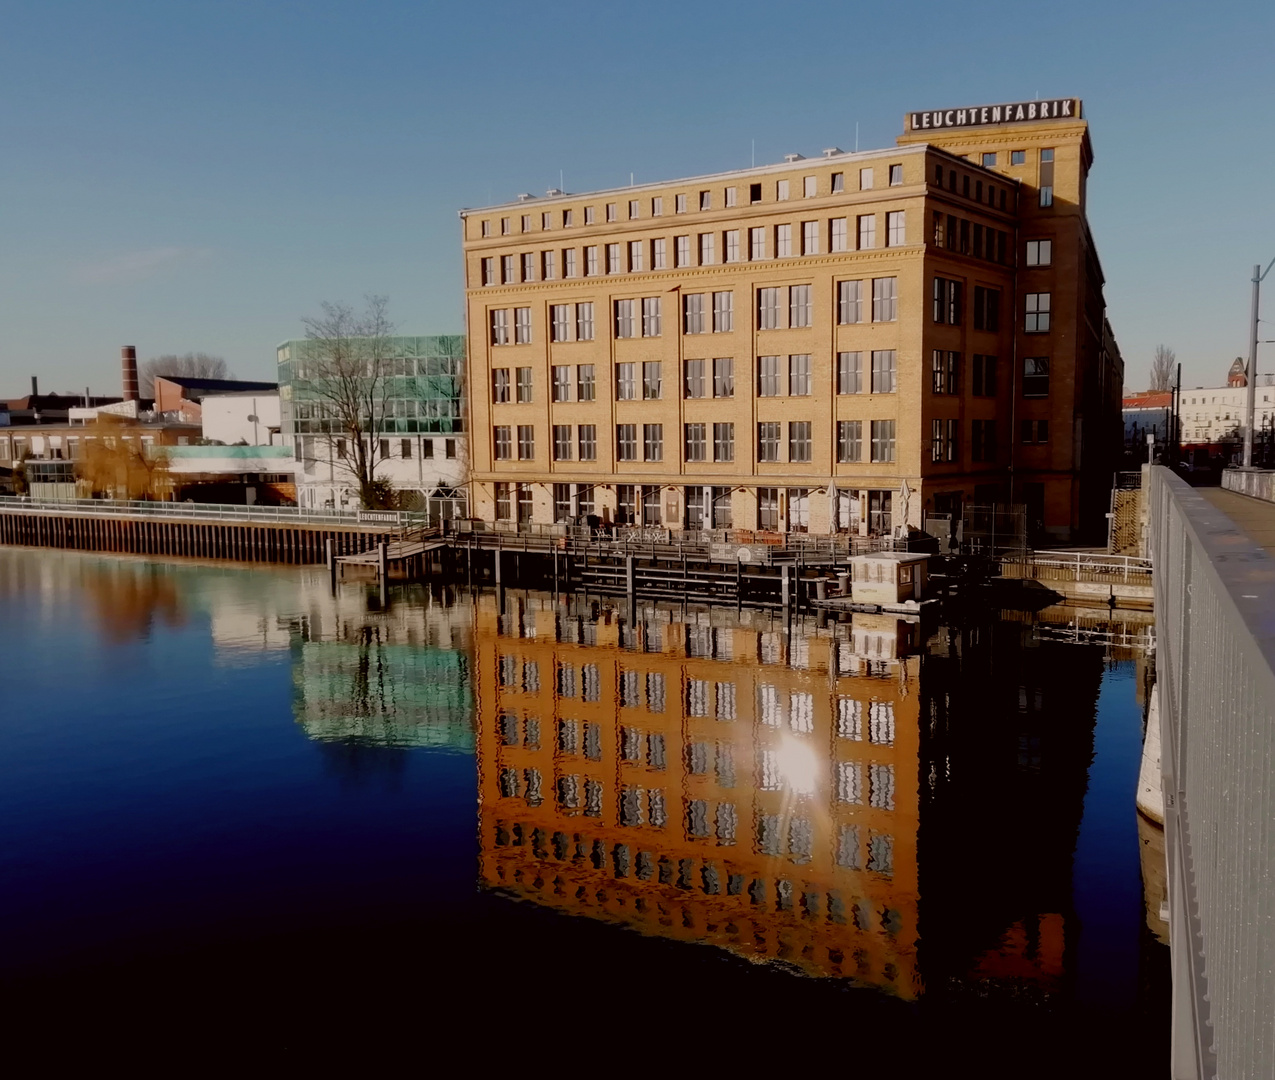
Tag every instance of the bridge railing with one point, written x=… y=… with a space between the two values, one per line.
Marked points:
x=1215 y=676
x=187 y=511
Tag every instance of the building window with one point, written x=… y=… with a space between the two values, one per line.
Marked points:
x=987 y=308
x=524 y=384
x=883 y=371
x=1037 y=321
x=626 y=442
x=849 y=373
x=693 y=313
x=526 y=442
x=849 y=440
x=810 y=238
x=945 y=372
x=1035 y=431
x=944 y=441
x=625 y=382
x=706 y=255
x=865 y=179
x=657 y=206
x=768 y=309
x=723 y=377
x=989 y=161
x=561 y=442
x=489 y=270
x=504 y=506
x=624 y=324
x=561 y=502
x=679 y=204
x=731 y=245
x=486 y=228
x=561 y=382
x=983 y=440
x=1047 y=195
x=499 y=385
x=613 y=259
x=768 y=508
x=885 y=299
x=1036 y=376
x=591 y=261
x=695 y=382
x=723 y=312
x=500 y=327
x=587 y=436
x=1018 y=157
x=560 y=322
x=867 y=231
x=984 y=379
x=849 y=302
x=696 y=442
x=730 y=196
x=658 y=255
x=584 y=322
x=883 y=440
x=799 y=312
x=651 y=382
x=584 y=383
x=405 y=449
x=723 y=442
x=612 y=214
x=681 y=251
x=548 y=263
x=896 y=175
x=508 y=272
x=505 y=226
x=503 y=443
x=637 y=256
x=947 y=301
x=783 y=241
x=705 y=200
x=653 y=441
x=569 y=262
x=799 y=375
x=781 y=190
x=799 y=440
x=568 y=218
x=529 y=266
x=1040 y=252
x=768 y=442
x=837 y=235
x=768 y=376
x=896 y=228
x=757 y=243
x=650 y=316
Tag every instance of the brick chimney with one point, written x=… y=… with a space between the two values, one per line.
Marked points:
x=128 y=361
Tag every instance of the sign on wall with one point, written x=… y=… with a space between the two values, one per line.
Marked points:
x=1016 y=113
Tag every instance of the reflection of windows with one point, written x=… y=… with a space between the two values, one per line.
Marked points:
x=849 y=782
x=509 y=671
x=849 y=718
x=656 y=814
x=569 y=792
x=531 y=677
x=800 y=839
x=655 y=752
x=592 y=682
x=593 y=798
x=532 y=779
x=725 y=760
x=509 y=783
x=566 y=680
x=727 y=822
x=630 y=744
x=696 y=818
x=770 y=778
x=630 y=692
x=569 y=736
x=699 y=758
x=655 y=692
x=593 y=742
x=881 y=853
x=802 y=712
x=848 y=847
x=725 y=701
x=881 y=786
x=881 y=723
x=630 y=805
x=697 y=697
x=768 y=833
x=771 y=710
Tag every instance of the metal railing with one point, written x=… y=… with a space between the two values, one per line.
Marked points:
x=189 y=511
x=1089 y=566
x=1215 y=676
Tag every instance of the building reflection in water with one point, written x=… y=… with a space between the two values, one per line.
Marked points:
x=711 y=783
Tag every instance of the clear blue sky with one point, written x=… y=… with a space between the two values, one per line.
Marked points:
x=199 y=176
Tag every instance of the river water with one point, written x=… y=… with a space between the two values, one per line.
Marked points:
x=244 y=813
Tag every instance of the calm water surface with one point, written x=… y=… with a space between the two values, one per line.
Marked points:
x=242 y=813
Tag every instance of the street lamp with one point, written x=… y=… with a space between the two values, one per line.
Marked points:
x=1251 y=396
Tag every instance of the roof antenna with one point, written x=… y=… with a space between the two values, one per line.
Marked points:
x=856 y=136
x=562 y=183
x=630 y=179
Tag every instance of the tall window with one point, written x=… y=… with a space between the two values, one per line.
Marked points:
x=502 y=443
x=569 y=262
x=696 y=442
x=1037 y=313
x=625 y=382
x=524 y=384
x=724 y=377
x=867 y=231
x=659 y=259
x=651 y=382
x=679 y=204
x=723 y=442
x=799 y=440
x=489 y=270
x=522 y=326
x=508 y=270
x=896 y=228
x=561 y=382
x=896 y=175
x=944 y=440
x=849 y=302
x=838 y=183
x=849 y=440
x=947 y=301
x=768 y=441
x=613 y=259
x=634 y=208
x=706 y=254
x=1036 y=376
x=587 y=437
x=657 y=206
x=653 y=441
x=837 y=235
x=799 y=313
x=504 y=505
x=810 y=238
x=591 y=261
x=849 y=373
x=1040 y=252
x=781 y=190
x=560 y=322
x=637 y=256
x=768 y=508
x=500 y=327
x=624 y=322
x=768 y=309
x=945 y=372
x=561 y=502
x=731 y=246
x=526 y=442
x=681 y=251
x=529 y=266
x=723 y=312
x=561 y=442
x=731 y=195
x=757 y=243
x=626 y=442
x=885 y=299
x=987 y=308
x=650 y=316
x=983 y=440
x=612 y=212
x=799 y=375
x=768 y=376
x=695 y=381
x=499 y=385
x=984 y=377
x=568 y=218
x=883 y=440
x=584 y=321
x=693 y=313
x=783 y=241
x=883 y=371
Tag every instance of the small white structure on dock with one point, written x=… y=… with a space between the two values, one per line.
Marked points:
x=888 y=577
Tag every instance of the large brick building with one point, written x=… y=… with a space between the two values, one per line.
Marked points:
x=784 y=347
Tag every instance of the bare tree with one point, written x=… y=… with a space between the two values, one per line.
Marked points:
x=345 y=377
x=1163 y=366
x=194 y=365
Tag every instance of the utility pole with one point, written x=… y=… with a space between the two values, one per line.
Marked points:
x=1250 y=397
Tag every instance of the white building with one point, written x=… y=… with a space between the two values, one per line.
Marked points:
x=1213 y=414
x=246 y=418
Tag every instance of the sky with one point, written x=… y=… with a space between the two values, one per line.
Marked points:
x=199 y=177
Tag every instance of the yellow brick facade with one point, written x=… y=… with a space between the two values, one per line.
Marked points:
x=808 y=229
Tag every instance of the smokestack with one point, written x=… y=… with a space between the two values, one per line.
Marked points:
x=35 y=386
x=128 y=361
x=35 y=404
x=87 y=397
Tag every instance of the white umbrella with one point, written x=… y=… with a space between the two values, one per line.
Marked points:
x=832 y=504
x=901 y=511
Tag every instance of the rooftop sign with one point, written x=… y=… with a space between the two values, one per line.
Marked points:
x=1017 y=113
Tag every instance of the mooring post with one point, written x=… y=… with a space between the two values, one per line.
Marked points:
x=739 y=586
x=383 y=560
x=630 y=581
x=786 y=588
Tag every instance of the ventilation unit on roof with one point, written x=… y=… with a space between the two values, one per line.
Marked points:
x=526 y=196
x=554 y=192
x=790 y=158
x=832 y=151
